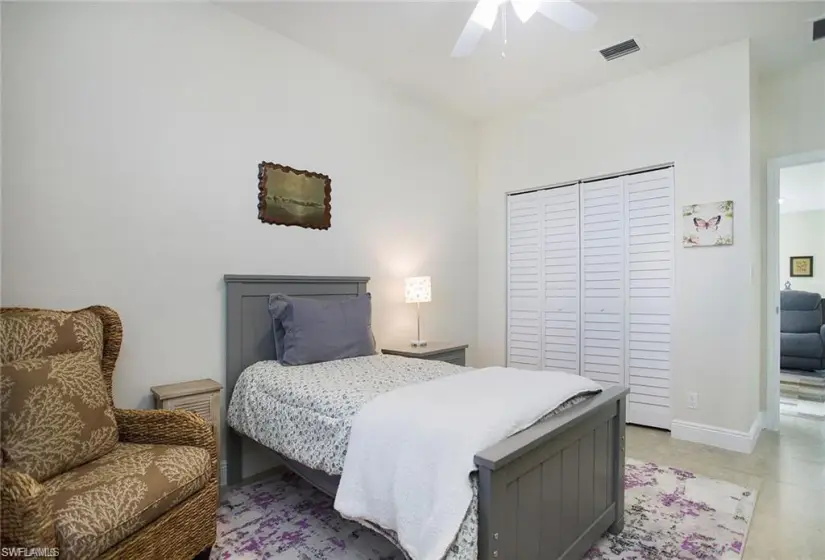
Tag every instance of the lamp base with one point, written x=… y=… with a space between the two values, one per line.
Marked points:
x=418 y=343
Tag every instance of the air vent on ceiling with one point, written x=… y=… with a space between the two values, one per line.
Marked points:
x=819 y=29
x=619 y=50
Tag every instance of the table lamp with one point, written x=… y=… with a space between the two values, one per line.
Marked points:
x=417 y=290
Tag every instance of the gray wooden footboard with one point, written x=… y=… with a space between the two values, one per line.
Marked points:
x=552 y=490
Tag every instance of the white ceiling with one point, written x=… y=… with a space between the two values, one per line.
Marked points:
x=408 y=44
x=802 y=188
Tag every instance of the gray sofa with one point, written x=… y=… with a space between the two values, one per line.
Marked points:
x=802 y=342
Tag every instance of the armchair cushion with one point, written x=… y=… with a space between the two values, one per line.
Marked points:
x=38 y=333
x=56 y=413
x=99 y=504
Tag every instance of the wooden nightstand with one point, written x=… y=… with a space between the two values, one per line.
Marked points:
x=203 y=397
x=452 y=353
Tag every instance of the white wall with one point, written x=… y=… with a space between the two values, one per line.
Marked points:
x=792 y=110
x=132 y=138
x=695 y=113
x=803 y=234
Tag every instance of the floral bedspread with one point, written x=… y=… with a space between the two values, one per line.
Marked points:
x=305 y=412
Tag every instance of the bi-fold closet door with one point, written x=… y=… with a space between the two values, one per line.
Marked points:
x=603 y=276
x=649 y=269
x=543 y=279
x=590 y=274
x=561 y=282
x=524 y=277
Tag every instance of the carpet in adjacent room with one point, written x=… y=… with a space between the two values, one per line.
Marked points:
x=669 y=513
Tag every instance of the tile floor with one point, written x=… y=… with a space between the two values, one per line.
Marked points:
x=788 y=470
x=804 y=408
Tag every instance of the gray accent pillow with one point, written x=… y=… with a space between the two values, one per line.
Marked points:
x=315 y=330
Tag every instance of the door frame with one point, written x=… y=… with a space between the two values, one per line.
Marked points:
x=772 y=284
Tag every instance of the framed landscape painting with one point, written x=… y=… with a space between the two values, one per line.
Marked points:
x=293 y=197
x=707 y=225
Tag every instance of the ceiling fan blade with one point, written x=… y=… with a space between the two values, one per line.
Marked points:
x=568 y=14
x=468 y=39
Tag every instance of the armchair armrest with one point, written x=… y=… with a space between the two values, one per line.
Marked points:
x=26 y=519
x=822 y=333
x=170 y=427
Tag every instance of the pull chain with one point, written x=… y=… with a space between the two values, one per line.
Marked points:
x=503 y=9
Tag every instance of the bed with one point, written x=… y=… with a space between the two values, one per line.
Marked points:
x=547 y=492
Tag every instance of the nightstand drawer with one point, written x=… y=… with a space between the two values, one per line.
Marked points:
x=455 y=357
x=441 y=352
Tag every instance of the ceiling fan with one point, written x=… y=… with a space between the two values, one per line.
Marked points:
x=566 y=13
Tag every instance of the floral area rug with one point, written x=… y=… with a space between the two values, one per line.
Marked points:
x=669 y=513
x=285 y=518
x=672 y=513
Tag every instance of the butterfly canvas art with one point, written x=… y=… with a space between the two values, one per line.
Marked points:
x=706 y=225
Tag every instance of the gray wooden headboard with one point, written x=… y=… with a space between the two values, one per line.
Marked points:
x=249 y=336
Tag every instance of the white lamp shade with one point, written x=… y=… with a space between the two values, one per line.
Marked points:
x=417 y=289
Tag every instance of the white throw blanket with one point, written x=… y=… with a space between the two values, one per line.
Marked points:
x=411 y=450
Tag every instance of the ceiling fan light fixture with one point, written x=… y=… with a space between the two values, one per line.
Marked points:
x=525 y=9
x=485 y=13
x=566 y=13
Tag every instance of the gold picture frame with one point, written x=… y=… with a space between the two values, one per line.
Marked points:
x=802 y=267
x=293 y=197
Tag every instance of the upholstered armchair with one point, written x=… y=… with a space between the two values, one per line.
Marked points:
x=82 y=476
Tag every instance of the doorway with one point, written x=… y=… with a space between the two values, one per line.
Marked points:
x=795 y=265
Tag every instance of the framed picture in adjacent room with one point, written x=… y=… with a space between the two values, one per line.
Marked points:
x=802 y=266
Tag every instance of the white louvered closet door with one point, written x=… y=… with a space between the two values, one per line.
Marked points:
x=590 y=285
x=560 y=253
x=649 y=207
x=603 y=281
x=524 y=294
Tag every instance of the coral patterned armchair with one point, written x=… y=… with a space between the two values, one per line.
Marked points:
x=80 y=475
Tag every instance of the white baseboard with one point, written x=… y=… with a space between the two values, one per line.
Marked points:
x=733 y=440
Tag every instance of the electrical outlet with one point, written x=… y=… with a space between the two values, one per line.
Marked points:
x=693 y=400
